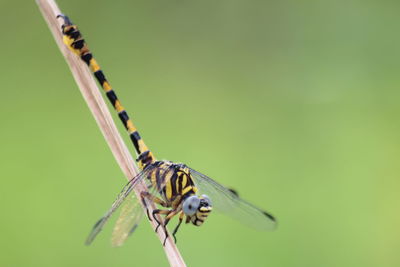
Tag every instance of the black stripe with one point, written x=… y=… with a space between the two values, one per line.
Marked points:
x=142 y=156
x=112 y=97
x=87 y=57
x=135 y=139
x=136 y=135
x=124 y=118
x=189 y=181
x=70 y=31
x=75 y=35
x=78 y=44
x=188 y=194
x=159 y=179
x=180 y=183
x=172 y=181
x=100 y=77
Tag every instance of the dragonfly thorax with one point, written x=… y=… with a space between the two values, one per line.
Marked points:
x=178 y=189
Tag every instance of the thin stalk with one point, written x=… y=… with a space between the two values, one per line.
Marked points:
x=101 y=113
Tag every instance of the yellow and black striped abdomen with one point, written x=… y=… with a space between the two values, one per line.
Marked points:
x=74 y=40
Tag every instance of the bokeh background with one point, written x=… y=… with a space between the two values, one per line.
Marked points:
x=293 y=103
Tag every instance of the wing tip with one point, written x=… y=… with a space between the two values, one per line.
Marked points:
x=95 y=230
x=133 y=229
x=272 y=218
x=269 y=216
x=234 y=192
x=89 y=241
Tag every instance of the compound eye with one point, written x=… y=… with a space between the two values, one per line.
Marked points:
x=190 y=205
x=207 y=199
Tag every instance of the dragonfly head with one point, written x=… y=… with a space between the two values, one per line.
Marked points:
x=197 y=208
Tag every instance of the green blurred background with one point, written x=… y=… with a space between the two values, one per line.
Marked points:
x=293 y=103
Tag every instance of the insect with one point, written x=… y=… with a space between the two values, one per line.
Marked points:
x=179 y=189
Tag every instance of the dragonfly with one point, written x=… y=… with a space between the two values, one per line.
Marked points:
x=176 y=188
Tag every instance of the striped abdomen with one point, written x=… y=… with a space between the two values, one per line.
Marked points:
x=74 y=40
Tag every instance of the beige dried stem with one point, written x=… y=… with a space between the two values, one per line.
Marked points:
x=101 y=113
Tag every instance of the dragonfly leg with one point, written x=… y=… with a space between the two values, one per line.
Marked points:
x=145 y=205
x=153 y=198
x=170 y=215
x=179 y=224
x=156 y=212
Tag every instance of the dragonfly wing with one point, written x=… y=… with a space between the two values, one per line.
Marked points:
x=132 y=211
x=123 y=196
x=128 y=220
x=228 y=202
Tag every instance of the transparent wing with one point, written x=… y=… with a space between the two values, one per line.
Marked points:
x=228 y=202
x=124 y=195
x=128 y=220
x=132 y=211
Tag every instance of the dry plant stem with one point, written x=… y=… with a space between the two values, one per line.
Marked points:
x=98 y=107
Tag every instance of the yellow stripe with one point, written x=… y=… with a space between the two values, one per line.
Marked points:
x=205 y=209
x=153 y=179
x=186 y=189
x=107 y=86
x=68 y=41
x=184 y=181
x=140 y=165
x=118 y=106
x=168 y=190
x=93 y=65
x=142 y=146
x=131 y=127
